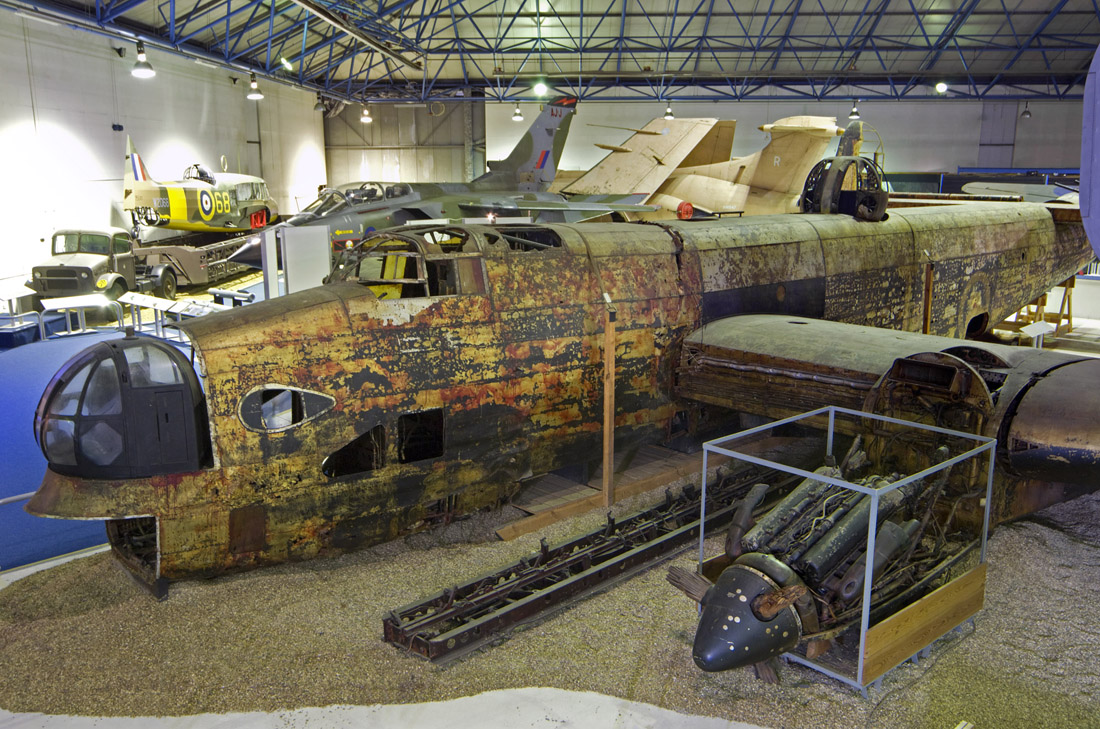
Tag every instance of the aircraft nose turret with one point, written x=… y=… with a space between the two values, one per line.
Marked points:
x=731 y=634
x=122 y=409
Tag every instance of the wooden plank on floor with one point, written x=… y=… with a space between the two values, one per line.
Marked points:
x=547 y=492
x=908 y=631
x=678 y=467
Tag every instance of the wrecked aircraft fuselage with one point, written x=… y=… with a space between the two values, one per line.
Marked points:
x=442 y=365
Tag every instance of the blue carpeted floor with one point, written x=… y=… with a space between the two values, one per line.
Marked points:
x=25 y=371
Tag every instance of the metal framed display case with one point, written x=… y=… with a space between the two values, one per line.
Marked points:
x=907 y=632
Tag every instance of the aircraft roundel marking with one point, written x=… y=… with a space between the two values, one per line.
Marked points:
x=206 y=204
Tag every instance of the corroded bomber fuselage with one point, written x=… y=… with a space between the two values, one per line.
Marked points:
x=452 y=362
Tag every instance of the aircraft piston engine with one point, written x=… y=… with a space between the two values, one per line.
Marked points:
x=733 y=630
x=751 y=614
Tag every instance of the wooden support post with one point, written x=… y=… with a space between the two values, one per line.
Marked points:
x=1065 y=311
x=926 y=325
x=1041 y=308
x=608 y=402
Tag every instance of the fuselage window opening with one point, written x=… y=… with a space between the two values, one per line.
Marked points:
x=455 y=276
x=530 y=239
x=393 y=271
x=420 y=435
x=275 y=408
x=451 y=240
x=442 y=277
x=365 y=453
x=396 y=268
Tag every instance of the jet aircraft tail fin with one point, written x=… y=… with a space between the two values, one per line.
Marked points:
x=534 y=161
x=797 y=144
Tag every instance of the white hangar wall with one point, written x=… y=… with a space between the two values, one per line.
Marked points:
x=62 y=91
x=918 y=136
x=438 y=142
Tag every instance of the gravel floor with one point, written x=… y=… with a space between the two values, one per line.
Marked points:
x=83 y=639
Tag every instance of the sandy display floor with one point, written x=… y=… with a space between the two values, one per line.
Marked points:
x=83 y=639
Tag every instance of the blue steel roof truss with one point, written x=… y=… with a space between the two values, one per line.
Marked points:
x=421 y=50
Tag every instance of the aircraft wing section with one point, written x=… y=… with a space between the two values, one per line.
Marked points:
x=596 y=203
x=645 y=160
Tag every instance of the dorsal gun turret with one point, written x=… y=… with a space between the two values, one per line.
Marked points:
x=846 y=185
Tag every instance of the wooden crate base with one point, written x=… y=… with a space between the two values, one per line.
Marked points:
x=907 y=632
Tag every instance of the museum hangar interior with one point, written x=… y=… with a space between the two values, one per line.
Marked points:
x=354 y=501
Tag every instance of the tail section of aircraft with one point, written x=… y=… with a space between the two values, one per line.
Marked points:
x=134 y=169
x=769 y=181
x=684 y=166
x=642 y=163
x=534 y=161
x=797 y=144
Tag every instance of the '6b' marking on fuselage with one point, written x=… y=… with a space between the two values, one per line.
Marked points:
x=214 y=202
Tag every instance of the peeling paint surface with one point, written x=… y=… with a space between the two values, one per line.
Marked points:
x=470 y=392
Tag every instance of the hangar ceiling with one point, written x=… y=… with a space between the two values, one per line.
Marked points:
x=422 y=50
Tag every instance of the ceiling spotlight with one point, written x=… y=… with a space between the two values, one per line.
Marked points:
x=854 y=113
x=366 y=118
x=540 y=89
x=286 y=64
x=320 y=105
x=142 y=69
x=941 y=88
x=1026 y=113
x=668 y=113
x=517 y=115
x=254 y=92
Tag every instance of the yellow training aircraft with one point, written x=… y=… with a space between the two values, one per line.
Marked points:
x=199 y=202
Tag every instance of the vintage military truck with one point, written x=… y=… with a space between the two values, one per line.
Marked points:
x=112 y=262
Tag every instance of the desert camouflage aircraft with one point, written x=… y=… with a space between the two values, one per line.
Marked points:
x=200 y=201
x=684 y=166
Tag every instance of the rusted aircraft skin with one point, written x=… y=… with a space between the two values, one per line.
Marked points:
x=513 y=361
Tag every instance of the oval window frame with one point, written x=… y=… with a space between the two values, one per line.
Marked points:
x=276 y=386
